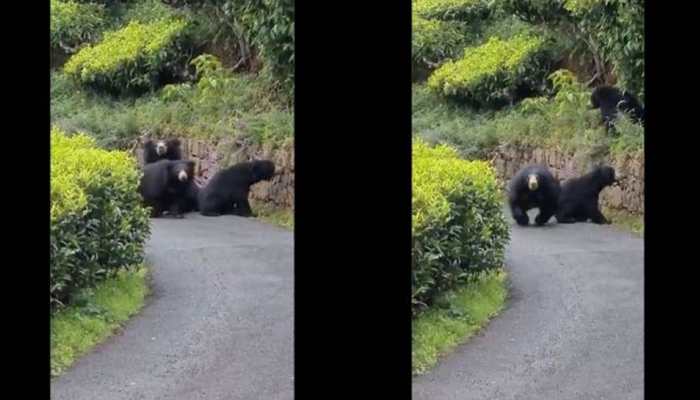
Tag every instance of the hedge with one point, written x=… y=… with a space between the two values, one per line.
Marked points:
x=494 y=72
x=98 y=224
x=464 y=10
x=132 y=59
x=435 y=40
x=73 y=24
x=458 y=222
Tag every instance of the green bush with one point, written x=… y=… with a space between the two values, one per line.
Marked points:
x=534 y=11
x=98 y=225
x=458 y=222
x=434 y=40
x=494 y=72
x=73 y=24
x=146 y=11
x=131 y=59
x=463 y=10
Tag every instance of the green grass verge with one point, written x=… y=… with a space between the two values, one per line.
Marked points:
x=627 y=221
x=94 y=316
x=241 y=105
x=283 y=217
x=457 y=316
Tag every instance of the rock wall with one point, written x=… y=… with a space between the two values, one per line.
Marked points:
x=628 y=195
x=212 y=155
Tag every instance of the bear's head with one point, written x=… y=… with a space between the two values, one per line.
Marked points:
x=182 y=170
x=162 y=146
x=262 y=170
x=604 y=175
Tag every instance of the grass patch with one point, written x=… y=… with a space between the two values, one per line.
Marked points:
x=95 y=315
x=456 y=316
x=234 y=105
x=283 y=217
x=630 y=222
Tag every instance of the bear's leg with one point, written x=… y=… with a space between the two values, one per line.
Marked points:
x=545 y=214
x=596 y=216
x=211 y=206
x=156 y=211
x=175 y=210
x=244 y=209
x=568 y=213
x=564 y=218
x=520 y=216
x=209 y=213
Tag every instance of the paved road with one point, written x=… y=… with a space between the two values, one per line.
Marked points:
x=219 y=324
x=572 y=329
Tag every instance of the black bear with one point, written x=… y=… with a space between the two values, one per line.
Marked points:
x=578 y=201
x=227 y=191
x=161 y=150
x=610 y=100
x=533 y=187
x=165 y=184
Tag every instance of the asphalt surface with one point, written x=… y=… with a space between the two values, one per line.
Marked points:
x=573 y=327
x=218 y=325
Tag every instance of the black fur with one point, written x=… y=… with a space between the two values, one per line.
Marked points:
x=191 y=201
x=171 y=151
x=227 y=191
x=545 y=197
x=162 y=189
x=578 y=201
x=611 y=100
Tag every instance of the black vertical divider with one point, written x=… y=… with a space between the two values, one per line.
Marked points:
x=671 y=154
x=353 y=200
x=670 y=163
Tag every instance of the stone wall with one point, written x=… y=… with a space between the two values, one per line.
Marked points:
x=628 y=195
x=212 y=155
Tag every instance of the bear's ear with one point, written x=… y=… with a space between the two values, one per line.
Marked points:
x=174 y=142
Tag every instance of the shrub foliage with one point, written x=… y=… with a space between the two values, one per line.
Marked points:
x=458 y=222
x=98 y=224
x=73 y=24
x=131 y=59
x=495 y=71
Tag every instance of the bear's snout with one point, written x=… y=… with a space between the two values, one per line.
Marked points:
x=161 y=148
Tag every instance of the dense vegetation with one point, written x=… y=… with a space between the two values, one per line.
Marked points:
x=562 y=121
x=174 y=68
x=98 y=225
x=75 y=23
x=500 y=78
x=494 y=71
x=458 y=223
